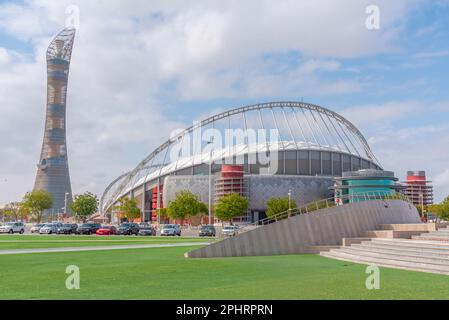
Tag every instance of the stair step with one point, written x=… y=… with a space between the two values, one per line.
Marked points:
x=443 y=233
x=423 y=227
x=391 y=234
x=387 y=262
x=435 y=234
x=411 y=243
x=396 y=257
x=402 y=256
x=399 y=250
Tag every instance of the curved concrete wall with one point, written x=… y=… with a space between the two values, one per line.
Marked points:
x=323 y=227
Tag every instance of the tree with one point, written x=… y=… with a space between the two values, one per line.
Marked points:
x=128 y=208
x=186 y=204
x=441 y=210
x=84 y=205
x=36 y=202
x=203 y=208
x=230 y=206
x=15 y=211
x=279 y=205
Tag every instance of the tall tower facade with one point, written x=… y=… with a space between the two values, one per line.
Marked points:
x=53 y=168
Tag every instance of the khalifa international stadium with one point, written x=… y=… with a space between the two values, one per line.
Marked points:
x=259 y=151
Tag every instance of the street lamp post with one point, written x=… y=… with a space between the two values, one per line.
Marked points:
x=289 y=202
x=421 y=198
x=65 y=203
x=211 y=141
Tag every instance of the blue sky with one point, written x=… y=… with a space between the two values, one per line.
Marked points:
x=140 y=71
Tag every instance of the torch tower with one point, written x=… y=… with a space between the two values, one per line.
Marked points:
x=53 y=168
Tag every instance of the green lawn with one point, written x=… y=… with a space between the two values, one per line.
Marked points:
x=164 y=273
x=44 y=241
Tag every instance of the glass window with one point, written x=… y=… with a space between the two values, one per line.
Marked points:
x=304 y=163
x=316 y=163
x=201 y=170
x=346 y=162
x=184 y=172
x=355 y=161
x=336 y=159
x=280 y=169
x=365 y=164
x=327 y=165
x=291 y=162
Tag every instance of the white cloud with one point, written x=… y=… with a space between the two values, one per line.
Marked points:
x=441 y=183
x=402 y=141
x=4 y=56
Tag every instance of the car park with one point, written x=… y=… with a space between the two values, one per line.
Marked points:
x=49 y=228
x=13 y=227
x=207 y=230
x=230 y=230
x=171 y=230
x=88 y=228
x=67 y=228
x=128 y=228
x=147 y=231
x=36 y=227
x=106 y=231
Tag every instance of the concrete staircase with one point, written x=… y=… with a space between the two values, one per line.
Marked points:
x=415 y=255
x=439 y=235
x=390 y=249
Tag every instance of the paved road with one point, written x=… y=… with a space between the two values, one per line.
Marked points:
x=98 y=248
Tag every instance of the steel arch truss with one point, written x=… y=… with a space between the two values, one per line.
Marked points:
x=317 y=122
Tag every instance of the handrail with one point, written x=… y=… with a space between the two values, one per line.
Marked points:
x=327 y=203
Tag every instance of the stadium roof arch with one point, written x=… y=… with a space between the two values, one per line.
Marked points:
x=300 y=126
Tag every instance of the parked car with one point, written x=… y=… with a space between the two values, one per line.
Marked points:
x=144 y=225
x=36 y=227
x=13 y=227
x=49 y=228
x=128 y=228
x=171 y=230
x=106 y=231
x=147 y=231
x=88 y=228
x=207 y=230
x=231 y=230
x=67 y=228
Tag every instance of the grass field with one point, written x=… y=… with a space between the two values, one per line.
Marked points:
x=164 y=273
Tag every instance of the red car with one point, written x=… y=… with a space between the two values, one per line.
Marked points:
x=106 y=231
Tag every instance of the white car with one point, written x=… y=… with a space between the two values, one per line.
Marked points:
x=13 y=227
x=37 y=227
x=49 y=228
x=171 y=230
x=230 y=231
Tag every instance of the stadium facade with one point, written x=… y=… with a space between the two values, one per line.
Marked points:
x=53 y=169
x=260 y=151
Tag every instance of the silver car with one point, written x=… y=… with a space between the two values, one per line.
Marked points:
x=49 y=228
x=13 y=227
x=37 y=227
x=171 y=230
x=230 y=231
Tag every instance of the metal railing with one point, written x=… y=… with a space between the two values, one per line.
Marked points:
x=326 y=203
